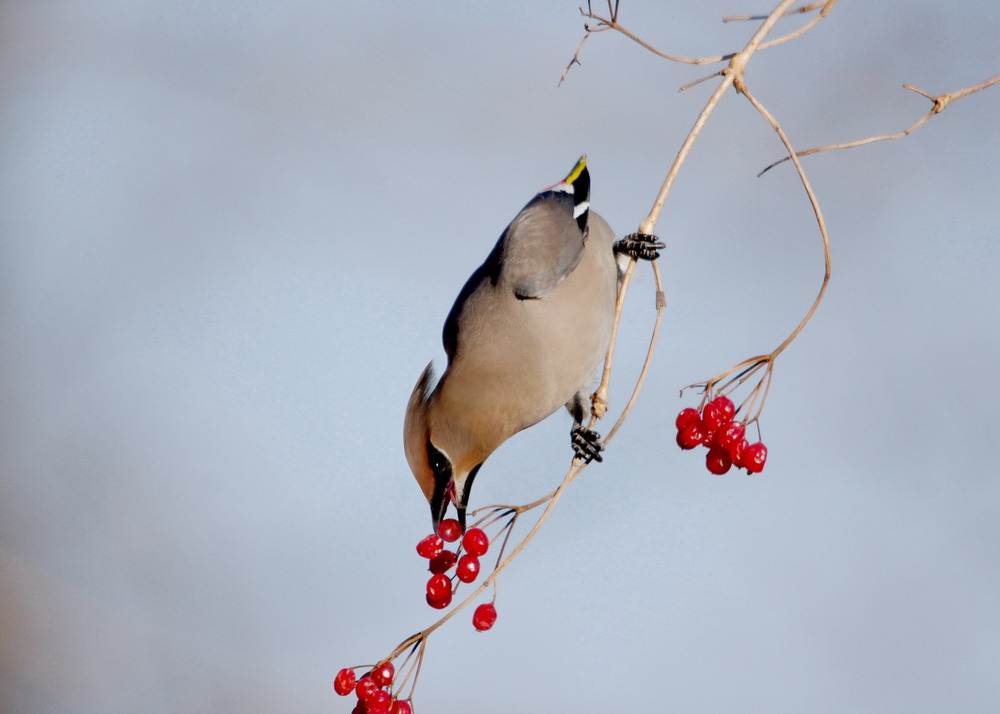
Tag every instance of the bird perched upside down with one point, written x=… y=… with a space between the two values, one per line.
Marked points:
x=525 y=336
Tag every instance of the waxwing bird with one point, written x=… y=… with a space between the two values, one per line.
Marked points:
x=525 y=336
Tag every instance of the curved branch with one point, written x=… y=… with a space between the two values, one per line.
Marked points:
x=814 y=202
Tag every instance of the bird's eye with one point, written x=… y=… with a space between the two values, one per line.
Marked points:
x=437 y=461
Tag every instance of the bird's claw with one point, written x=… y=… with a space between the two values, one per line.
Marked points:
x=644 y=246
x=586 y=444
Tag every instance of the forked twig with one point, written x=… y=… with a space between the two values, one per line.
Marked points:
x=940 y=103
x=611 y=23
x=737 y=64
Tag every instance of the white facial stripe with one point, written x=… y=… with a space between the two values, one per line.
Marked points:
x=562 y=187
x=443 y=452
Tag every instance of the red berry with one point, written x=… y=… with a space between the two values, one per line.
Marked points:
x=400 y=707
x=450 y=530
x=691 y=435
x=754 y=457
x=380 y=698
x=383 y=674
x=438 y=587
x=468 y=568
x=366 y=689
x=708 y=438
x=717 y=460
x=379 y=710
x=687 y=416
x=443 y=561
x=475 y=542
x=730 y=434
x=344 y=682
x=736 y=452
x=430 y=546
x=360 y=708
x=712 y=417
x=726 y=407
x=440 y=604
x=484 y=617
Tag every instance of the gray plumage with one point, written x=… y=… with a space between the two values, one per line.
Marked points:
x=524 y=337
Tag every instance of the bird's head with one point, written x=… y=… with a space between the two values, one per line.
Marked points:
x=438 y=476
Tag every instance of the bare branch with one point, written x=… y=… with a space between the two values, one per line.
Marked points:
x=735 y=69
x=813 y=201
x=795 y=11
x=699 y=81
x=661 y=303
x=940 y=102
x=611 y=23
x=576 y=56
x=827 y=6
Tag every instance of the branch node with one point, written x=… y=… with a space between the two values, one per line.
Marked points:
x=599 y=403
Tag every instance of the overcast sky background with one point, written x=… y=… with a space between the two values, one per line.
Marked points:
x=231 y=232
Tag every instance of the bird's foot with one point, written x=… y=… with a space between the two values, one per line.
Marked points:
x=586 y=444
x=641 y=246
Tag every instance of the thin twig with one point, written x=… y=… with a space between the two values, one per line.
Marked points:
x=827 y=6
x=576 y=55
x=606 y=23
x=599 y=399
x=795 y=11
x=696 y=82
x=611 y=23
x=736 y=66
x=817 y=212
x=940 y=102
x=661 y=303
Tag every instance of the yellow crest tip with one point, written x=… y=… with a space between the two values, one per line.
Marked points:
x=581 y=165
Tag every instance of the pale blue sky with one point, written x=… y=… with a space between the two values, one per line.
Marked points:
x=231 y=232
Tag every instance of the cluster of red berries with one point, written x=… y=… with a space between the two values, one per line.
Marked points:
x=725 y=438
x=439 y=588
x=373 y=690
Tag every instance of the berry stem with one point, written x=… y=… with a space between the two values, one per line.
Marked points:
x=503 y=546
x=497 y=514
x=413 y=671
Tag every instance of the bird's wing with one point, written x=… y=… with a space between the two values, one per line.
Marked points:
x=541 y=246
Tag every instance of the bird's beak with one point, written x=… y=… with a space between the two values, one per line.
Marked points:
x=443 y=489
x=462 y=499
x=446 y=490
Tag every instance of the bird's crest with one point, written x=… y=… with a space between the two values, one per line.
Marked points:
x=576 y=184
